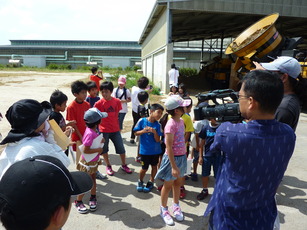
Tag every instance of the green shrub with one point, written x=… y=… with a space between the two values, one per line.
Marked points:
x=84 y=67
x=128 y=68
x=12 y=65
x=105 y=67
x=155 y=91
x=52 y=66
x=188 y=72
x=67 y=66
x=136 y=67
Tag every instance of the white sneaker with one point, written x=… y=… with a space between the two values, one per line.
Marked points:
x=101 y=176
x=177 y=212
x=166 y=216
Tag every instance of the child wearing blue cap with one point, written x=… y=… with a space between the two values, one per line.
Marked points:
x=89 y=159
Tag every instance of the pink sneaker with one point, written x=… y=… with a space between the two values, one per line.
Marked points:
x=126 y=169
x=177 y=212
x=138 y=159
x=93 y=204
x=166 y=216
x=110 y=171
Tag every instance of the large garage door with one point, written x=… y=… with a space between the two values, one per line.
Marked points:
x=159 y=68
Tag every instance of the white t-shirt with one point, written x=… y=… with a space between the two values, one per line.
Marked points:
x=198 y=125
x=173 y=75
x=119 y=94
x=134 y=98
x=29 y=147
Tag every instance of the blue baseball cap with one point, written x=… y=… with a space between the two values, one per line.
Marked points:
x=93 y=115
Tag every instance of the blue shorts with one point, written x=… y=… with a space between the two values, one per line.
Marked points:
x=121 y=117
x=209 y=161
x=165 y=170
x=117 y=140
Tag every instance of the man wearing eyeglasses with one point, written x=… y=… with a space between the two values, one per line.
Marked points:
x=256 y=155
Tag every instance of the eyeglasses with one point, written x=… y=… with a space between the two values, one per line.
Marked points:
x=242 y=96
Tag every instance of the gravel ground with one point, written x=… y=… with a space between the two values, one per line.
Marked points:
x=120 y=205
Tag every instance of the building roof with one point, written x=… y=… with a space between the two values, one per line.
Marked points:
x=75 y=43
x=205 y=19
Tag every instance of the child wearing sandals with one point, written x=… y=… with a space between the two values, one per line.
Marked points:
x=174 y=162
x=92 y=118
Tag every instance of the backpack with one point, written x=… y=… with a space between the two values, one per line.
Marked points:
x=123 y=95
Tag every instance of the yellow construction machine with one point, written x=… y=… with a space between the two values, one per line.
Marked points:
x=261 y=42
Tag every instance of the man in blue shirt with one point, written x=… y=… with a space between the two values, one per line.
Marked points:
x=256 y=155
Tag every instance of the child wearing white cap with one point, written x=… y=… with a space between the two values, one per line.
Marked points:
x=174 y=161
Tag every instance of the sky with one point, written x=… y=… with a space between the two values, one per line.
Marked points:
x=114 y=20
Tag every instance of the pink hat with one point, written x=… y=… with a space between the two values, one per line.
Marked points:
x=121 y=80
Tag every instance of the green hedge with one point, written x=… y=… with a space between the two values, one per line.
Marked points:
x=188 y=72
x=56 y=66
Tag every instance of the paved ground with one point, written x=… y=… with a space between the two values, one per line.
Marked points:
x=121 y=206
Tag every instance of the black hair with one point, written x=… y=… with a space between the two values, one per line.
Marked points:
x=92 y=125
x=265 y=87
x=94 y=70
x=188 y=98
x=37 y=221
x=142 y=96
x=91 y=85
x=143 y=82
x=299 y=86
x=107 y=85
x=173 y=66
x=57 y=98
x=78 y=86
x=174 y=86
x=172 y=112
x=184 y=89
x=156 y=106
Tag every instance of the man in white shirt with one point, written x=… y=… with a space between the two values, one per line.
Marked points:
x=173 y=75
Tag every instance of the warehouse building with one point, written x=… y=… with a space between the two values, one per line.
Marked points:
x=113 y=54
x=41 y=53
x=182 y=21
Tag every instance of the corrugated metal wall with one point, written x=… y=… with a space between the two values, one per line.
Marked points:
x=293 y=8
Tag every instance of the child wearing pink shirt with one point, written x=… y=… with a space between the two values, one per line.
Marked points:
x=92 y=118
x=174 y=162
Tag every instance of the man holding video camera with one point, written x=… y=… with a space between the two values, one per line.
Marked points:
x=256 y=155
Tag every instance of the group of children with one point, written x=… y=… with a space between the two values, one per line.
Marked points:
x=84 y=115
x=90 y=117
x=174 y=133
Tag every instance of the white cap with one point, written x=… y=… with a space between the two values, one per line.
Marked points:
x=284 y=64
x=175 y=101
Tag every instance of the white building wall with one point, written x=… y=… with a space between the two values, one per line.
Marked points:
x=116 y=62
x=149 y=69
x=37 y=61
x=144 y=66
x=159 y=69
x=156 y=38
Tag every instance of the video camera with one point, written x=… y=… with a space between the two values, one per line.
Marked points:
x=222 y=112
